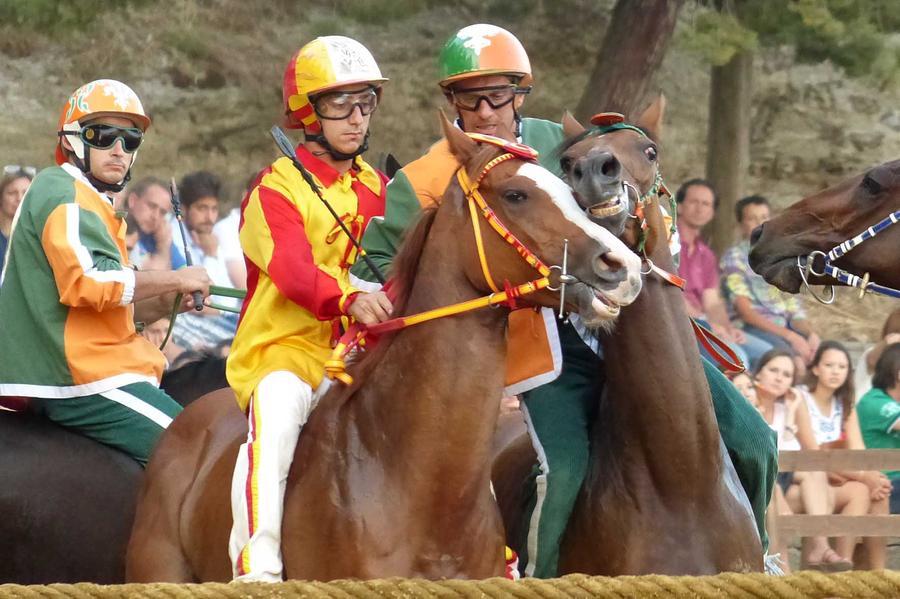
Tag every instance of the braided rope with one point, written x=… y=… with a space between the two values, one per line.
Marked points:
x=860 y=584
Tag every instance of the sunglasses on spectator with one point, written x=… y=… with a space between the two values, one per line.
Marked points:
x=339 y=105
x=497 y=96
x=15 y=169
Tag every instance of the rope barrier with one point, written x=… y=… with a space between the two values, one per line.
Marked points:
x=859 y=584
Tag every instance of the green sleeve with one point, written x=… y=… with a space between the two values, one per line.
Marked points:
x=877 y=414
x=545 y=137
x=383 y=236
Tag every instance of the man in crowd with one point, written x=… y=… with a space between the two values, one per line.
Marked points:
x=70 y=297
x=766 y=312
x=149 y=205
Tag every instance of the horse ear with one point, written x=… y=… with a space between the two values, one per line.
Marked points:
x=571 y=126
x=462 y=146
x=652 y=117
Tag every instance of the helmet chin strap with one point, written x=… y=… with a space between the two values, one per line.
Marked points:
x=320 y=139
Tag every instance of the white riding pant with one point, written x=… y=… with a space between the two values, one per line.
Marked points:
x=279 y=407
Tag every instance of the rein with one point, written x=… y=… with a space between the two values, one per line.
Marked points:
x=335 y=367
x=806 y=265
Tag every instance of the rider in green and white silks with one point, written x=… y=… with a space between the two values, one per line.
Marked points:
x=485 y=75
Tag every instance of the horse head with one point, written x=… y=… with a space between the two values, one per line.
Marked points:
x=597 y=272
x=820 y=222
x=614 y=172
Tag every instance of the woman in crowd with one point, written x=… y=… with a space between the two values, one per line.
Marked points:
x=13 y=186
x=804 y=492
x=829 y=399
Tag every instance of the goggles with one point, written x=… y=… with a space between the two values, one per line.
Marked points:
x=339 y=105
x=103 y=137
x=15 y=169
x=497 y=96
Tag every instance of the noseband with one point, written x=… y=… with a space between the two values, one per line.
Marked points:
x=806 y=265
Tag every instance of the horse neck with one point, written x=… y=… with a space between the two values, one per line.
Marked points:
x=436 y=397
x=657 y=395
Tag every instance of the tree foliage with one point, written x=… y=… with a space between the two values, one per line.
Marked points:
x=853 y=34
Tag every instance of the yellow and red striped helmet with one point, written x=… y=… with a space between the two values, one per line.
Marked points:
x=322 y=64
x=103 y=97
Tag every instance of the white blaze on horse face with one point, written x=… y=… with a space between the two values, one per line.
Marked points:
x=562 y=196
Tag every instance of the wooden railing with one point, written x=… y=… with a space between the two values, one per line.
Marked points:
x=802 y=525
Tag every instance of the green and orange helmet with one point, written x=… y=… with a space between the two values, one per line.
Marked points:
x=323 y=64
x=483 y=49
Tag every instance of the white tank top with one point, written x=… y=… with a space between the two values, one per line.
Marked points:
x=787 y=440
x=825 y=428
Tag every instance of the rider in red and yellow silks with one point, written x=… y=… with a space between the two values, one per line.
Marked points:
x=298 y=287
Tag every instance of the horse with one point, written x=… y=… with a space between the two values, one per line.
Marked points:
x=391 y=476
x=797 y=247
x=68 y=501
x=660 y=495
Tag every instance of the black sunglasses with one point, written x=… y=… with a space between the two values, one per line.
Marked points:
x=103 y=137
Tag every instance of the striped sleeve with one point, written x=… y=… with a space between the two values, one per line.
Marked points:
x=383 y=236
x=274 y=239
x=85 y=260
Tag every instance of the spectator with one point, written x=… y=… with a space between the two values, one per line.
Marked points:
x=796 y=492
x=149 y=204
x=227 y=232
x=865 y=368
x=766 y=312
x=206 y=330
x=879 y=413
x=696 y=200
x=829 y=399
x=13 y=186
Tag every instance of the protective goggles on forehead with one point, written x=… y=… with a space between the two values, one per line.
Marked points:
x=103 y=137
x=497 y=96
x=339 y=105
x=15 y=169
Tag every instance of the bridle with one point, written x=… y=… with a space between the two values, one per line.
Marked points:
x=335 y=367
x=806 y=265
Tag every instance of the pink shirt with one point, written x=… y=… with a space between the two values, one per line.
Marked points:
x=700 y=268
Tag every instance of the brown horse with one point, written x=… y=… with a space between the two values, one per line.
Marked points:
x=823 y=220
x=660 y=495
x=391 y=476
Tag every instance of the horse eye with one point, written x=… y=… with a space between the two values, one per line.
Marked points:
x=651 y=154
x=514 y=196
x=871 y=185
x=565 y=163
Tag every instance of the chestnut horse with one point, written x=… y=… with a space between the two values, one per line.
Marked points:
x=391 y=476
x=820 y=222
x=660 y=494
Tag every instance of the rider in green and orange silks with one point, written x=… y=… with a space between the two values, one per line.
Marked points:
x=485 y=75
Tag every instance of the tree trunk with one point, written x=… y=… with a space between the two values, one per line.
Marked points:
x=728 y=142
x=633 y=49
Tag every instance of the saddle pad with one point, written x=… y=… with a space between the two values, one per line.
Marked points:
x=534 y=355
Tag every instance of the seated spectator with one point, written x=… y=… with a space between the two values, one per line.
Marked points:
x=829 y=400
x=766 y=312
x=696 y=203
x=879 y=413
x=204 y=331
x=796 y=492
x=13 y=186
x=149 y=204
x=743 y=382
x=865 y=367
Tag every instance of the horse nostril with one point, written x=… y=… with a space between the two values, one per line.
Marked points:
x=611 y=167
x=607 y=262
x=577 y=171
x=756 y=234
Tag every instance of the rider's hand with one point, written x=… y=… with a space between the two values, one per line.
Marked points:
x=193 y=278
x=369 y=308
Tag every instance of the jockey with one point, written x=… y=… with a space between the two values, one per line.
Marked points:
x=297 y=262
x=70 y=296
x=485 y=75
